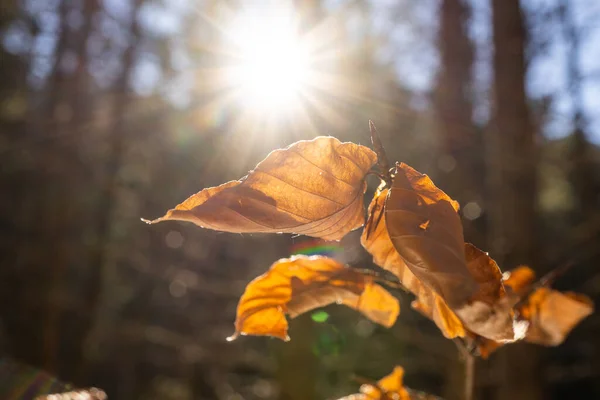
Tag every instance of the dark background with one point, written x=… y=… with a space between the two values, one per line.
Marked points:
x=111 y=111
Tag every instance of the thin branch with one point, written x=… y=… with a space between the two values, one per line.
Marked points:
x=469 y=361
x=382 y=279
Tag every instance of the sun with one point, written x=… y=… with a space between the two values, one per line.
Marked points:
x=272 y=66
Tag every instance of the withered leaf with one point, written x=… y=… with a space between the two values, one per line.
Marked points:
x=489 y=313
x=313 y=187
x=519 y=280
x=426 y=231
x=390 y=387
x=551 y=315
x=387 y=388
x=375 y=239
x=299 y=284
x=420 y=240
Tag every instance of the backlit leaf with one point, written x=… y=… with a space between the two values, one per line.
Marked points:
x=375 y=239
x=551 y=315
x=299 y=284
x=420 y=240
x=426 y=231
x=314 y=188
x=390 y=387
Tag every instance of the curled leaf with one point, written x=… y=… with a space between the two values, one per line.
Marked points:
x=314 y=188
x=426 y=231
x=519 y=280
x=489 y=313
x=375 y=239
x=550 y=314
x=420 y=240
x=390 y=387
x=299 y=284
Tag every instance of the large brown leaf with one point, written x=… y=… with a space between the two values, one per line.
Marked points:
x=314 y=188
x=299 y=284
x=375 y=239
x=458 y=286
x=426 y=231
x=482 y=268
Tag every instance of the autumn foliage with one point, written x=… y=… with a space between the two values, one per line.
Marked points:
x=413 y=230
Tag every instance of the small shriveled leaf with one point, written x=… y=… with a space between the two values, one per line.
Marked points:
x=551 y=315
x=390 y=387
x=519 y=280
x=387 y=388
x=314 y=188
x=489 y=313
x=299 y=284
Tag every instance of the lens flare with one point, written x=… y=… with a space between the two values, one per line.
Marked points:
x=273 y=62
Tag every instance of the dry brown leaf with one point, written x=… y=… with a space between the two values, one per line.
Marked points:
x=490 y=312
x=376 y=241
x=551 y=315
x=519 y=280
x=299 y=284
x=425 y=230
x=390 y=387
x=314 y=188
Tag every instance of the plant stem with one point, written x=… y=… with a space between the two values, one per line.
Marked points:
x=469 y=362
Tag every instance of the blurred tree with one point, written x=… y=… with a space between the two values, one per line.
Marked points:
x=461 y=160
x=513 y=188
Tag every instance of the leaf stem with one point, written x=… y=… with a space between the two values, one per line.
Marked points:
x=382 y=160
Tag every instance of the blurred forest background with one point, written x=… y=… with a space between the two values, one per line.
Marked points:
x=112 y=110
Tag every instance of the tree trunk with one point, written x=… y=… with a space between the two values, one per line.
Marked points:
x=461 y=161
x=512 y=155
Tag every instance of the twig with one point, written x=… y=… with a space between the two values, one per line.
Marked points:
x=393 y=284
x=382 y=160
x=382 y=279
